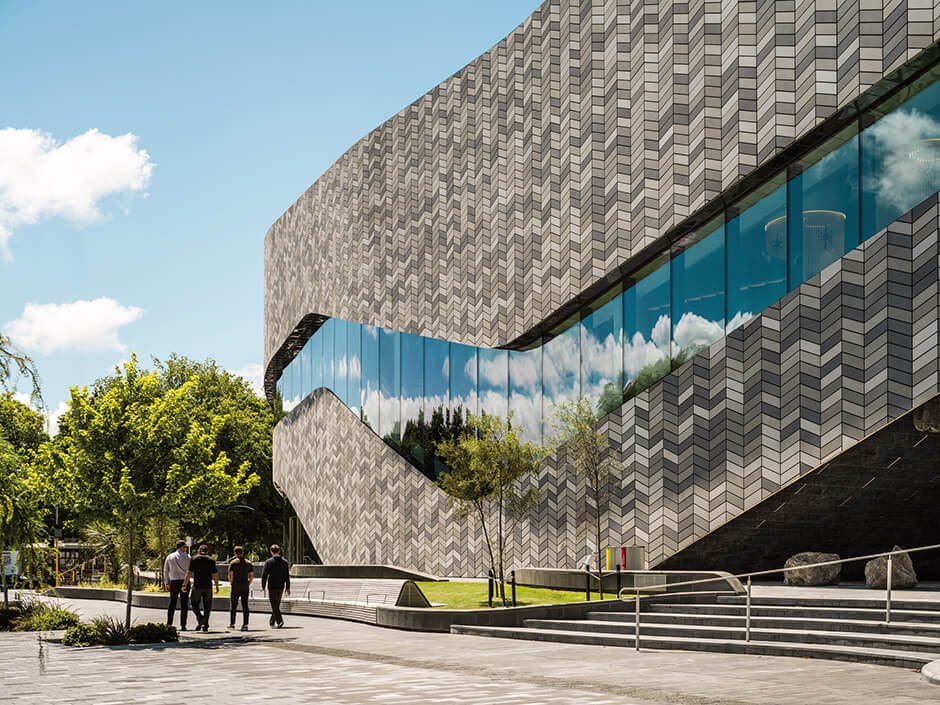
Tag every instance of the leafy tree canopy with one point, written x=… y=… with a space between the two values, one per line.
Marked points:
x=15 y=365
x=142 y=444
x=21 y=426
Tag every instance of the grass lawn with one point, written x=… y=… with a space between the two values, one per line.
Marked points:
x=471 y=596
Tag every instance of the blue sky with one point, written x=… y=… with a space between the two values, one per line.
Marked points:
x=209 y=120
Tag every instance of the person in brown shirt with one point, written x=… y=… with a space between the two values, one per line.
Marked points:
x=240 y=574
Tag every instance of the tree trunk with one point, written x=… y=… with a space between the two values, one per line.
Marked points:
x=501 y=548
x=600 y=551
x=486 y=537
x=3 y=577
x=130 y=573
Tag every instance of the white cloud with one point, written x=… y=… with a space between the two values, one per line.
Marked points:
x=739 y=319
x=253 y=373
x=909 y=167
x=23 y=398
x=53 y=416
x=81 y=326
x=693 y=330
x=41 y=178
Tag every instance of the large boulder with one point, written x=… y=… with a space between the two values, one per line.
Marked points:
x=902 y=571
x=798 y=574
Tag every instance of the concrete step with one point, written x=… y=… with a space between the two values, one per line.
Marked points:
x=875 y=601
x=892 y=642
x=885 y=657
x=811 y=623
x=899 y=615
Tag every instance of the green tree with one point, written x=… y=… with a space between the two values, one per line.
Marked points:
x=487 y=465
x=14 y=362
x=131 y=449
x=589 y=453
x=21 y=524
x=23 y=428
x=245 y=429
x=21 y=515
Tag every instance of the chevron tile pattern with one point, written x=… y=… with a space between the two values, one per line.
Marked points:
x=850 y=351
x=588 y=132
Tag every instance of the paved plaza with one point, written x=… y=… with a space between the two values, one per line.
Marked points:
x=317 y=660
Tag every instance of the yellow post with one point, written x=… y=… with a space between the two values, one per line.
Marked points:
x=610 y=558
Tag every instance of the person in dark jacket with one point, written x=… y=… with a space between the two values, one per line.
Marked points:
x=276 y=579
x=240 y=575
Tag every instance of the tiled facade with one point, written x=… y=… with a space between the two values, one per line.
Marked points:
x=534 y=172
x=853 y=349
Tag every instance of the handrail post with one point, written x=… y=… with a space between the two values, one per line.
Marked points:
x=587 y=585
x=636 y=621
x=888 y=591
x=747 y=618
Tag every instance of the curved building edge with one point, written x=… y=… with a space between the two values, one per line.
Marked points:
x=772 y=401
x=473 y=215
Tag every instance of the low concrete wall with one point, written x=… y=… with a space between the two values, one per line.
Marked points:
x=648 y=580
x=386 y=572
x=441 y=620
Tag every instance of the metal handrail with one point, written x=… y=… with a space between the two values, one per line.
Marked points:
x=636 y=596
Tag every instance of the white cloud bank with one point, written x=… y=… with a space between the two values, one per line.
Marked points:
x=80 y=326
x=41 y=178
x=253 y=373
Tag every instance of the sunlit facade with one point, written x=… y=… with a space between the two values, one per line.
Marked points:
x=709 y=282
x=718 y=232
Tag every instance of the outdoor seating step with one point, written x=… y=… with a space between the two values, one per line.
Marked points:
x=896 y=642
x=898 y=615
x=777 y=622
x=865 y=602
x=885 y=657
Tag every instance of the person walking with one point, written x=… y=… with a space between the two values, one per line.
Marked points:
x=174 y=570
x=276 y=578
x=240 y=575
x=203 y=571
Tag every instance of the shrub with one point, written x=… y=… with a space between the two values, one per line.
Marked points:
x=8 y=615
x=82 y=635
x=152 y=633
x=112 y=631
x=39 y=616
x=49 y=620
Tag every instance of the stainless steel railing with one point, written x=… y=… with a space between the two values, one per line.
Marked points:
x=636 y=595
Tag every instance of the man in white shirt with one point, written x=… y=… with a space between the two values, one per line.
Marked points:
x=174 y=571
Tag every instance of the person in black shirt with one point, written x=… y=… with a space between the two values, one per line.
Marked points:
x=276 y=577
x=240 y=574
x=203 y=571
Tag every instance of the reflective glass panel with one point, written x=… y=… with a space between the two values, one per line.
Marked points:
x=353 y=365
x=436 y=376
x=390 y=385
x=303 y=367
x=340 y=375
x=756 y=255
x=901 y=156
x=561 y=382
x=463 y=380
x=412 y=393
x=525 y=393
x=822 y=210
x=371 y=397
x=602 y=356
x=493 y=383
x=329 y=362
x=316 y=361
x=646 y=327
x=698 y=291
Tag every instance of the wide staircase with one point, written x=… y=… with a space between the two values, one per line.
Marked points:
x=832 y=628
